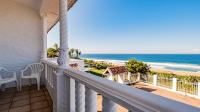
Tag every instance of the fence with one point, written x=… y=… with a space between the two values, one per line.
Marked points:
x=149 y=79
x=177 y=85
x=187 y=87
x=164 y=82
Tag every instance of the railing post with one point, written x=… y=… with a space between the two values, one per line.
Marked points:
x=155 y=80
x=198 y=89
x=108 y=105
x=80 y=97
x=62 y=92
x=174 y=82
x=129 y=76
x=90 y=100
x=138 y=76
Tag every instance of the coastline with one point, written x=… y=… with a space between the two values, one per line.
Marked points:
x=153 y=68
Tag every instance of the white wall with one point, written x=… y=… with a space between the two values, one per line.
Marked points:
x=20 y=35
x=120 y=78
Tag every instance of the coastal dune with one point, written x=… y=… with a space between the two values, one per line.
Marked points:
x=160 y=67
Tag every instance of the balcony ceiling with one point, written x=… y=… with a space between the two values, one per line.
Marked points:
x=35 y=4
x=51 y=7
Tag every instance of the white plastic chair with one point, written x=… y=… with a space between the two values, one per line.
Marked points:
x=7 y=77
x=35 y=73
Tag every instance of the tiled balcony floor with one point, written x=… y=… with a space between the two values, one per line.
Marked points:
x=28 y=100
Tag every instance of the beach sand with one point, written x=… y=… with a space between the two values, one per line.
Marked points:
x=181 y=73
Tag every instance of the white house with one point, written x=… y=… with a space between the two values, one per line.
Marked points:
x=118 y=74
x=24 y=25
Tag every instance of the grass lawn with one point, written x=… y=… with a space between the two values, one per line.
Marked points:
x=97 y=72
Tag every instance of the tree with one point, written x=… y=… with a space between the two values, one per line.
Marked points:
x=53 y=51
x=74 y=53
x=134 y=66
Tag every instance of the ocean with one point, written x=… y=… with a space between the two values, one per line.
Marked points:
x=177 y=62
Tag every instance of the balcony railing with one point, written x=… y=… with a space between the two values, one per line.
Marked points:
x=76 y=91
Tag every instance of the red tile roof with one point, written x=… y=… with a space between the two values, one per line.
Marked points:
x=117 y=70
x=73 y=65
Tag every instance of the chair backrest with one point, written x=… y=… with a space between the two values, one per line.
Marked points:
x=4 y=72
x=36 y=68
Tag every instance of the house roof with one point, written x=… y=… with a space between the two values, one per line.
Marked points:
x=115 y=70
x=73 y=65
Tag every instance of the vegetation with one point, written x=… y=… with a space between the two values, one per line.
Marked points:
x=98 y=64
x=135 y=66
x=74 y=53
x=179 y=77
x=97 y=72
x=53 y=52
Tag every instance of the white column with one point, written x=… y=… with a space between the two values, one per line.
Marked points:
x=138 y=76
x=108 y=105
x=174 y=82
x=120 y=78
x=44 y=35
x=129 y=76
x=90 y=100
x=63 y=58
x=80 y=97
x=155 y=80
x=63 y=82
x=198 y=89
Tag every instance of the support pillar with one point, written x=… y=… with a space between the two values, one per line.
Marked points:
x=174 y=82
x=198 y=89
x=63 y=82
x=155 y=80
x=44 y=35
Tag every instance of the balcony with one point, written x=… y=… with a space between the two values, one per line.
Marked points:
x=66 y=89
x=76 y=91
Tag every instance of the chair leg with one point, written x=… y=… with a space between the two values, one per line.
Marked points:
x=20 y=84
x=38 y=84
x=30 y=82
x=17 y=85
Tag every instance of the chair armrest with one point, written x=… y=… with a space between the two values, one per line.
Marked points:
x=22 y=71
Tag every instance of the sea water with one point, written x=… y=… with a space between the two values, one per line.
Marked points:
x=178 y=62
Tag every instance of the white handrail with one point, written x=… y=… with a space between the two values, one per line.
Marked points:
x=129 y=97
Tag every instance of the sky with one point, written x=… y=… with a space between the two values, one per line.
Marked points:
x=133 y=26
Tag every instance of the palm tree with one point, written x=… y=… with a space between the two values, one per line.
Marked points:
x=53 y=51
x=74 y=53
x=78 y=53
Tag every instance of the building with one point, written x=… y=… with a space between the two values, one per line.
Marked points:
x=117 y=74
x=24 y=25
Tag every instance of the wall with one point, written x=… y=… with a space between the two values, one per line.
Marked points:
x=20 y=35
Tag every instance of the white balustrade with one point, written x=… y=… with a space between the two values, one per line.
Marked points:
x=82 y=95
x=108 y=105
x=90 y=100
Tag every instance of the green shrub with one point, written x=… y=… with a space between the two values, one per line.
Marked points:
x=135 y=66
x=98 y=64
x=179 y=77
